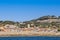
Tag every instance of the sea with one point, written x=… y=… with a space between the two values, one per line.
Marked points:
x=30 y=38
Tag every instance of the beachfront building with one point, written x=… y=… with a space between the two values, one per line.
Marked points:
x=48 y=30
x=10 y=28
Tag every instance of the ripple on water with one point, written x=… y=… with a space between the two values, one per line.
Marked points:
x=30 y=38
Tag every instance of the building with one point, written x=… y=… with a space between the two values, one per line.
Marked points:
x=10 y=26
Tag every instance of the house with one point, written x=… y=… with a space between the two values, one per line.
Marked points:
x=10 y=26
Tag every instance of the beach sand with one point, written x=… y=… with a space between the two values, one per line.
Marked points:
x=29 y=33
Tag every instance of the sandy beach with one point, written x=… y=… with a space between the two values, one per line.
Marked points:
x=29 y=33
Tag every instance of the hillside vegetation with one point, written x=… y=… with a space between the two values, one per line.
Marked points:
x=44 y=21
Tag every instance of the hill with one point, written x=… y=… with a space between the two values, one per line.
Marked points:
x=45 y=21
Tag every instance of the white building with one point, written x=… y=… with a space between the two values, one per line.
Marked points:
x=10 y=26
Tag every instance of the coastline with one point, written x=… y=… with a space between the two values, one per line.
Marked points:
x=28 y=33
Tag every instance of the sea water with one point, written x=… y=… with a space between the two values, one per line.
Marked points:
x=30 y=38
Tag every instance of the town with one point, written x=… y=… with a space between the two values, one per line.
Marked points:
x=45 y=24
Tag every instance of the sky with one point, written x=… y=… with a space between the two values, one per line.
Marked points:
x=24 y=10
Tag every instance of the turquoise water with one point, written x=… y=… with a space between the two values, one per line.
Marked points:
x=30 y=38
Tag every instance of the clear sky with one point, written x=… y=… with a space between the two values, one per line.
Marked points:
x=22 y=10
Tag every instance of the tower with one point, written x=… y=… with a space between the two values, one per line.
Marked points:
x=28 y=25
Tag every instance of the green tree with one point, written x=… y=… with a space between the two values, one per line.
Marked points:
x=8 y=22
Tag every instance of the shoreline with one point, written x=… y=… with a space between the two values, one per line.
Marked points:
x=28 y=33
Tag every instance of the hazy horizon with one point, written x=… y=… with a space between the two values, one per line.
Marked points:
x=24 y=10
